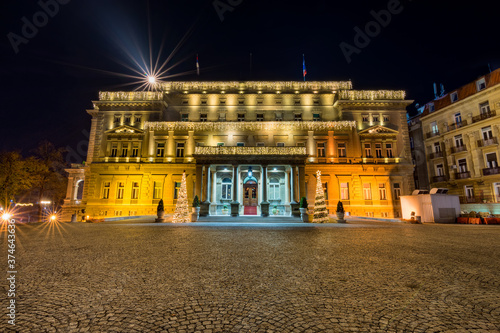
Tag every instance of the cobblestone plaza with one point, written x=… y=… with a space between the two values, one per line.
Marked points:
x=223 y=277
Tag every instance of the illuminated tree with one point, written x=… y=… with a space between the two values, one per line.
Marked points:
x=182 y=214
x=320 y=212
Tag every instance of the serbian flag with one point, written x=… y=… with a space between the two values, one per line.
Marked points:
x=304 y=70
x=197 y=66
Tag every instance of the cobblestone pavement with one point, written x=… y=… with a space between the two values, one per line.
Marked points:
x=360 y=277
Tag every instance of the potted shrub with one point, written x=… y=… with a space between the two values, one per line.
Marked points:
x=196 y=208
x=275 y=210
x=340 y=212
x=225 y=211
x=303 y=209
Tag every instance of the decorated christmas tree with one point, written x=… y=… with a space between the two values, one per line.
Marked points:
x=320 y=212
x=181 y=214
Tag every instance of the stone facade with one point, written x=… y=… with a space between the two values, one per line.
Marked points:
x=257 y=144
x=461 y=141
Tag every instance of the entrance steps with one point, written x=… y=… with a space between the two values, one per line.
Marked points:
x=251 y=219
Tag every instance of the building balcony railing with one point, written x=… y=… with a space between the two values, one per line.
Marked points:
x=432 y=134
x=489 y=142
x=457 y=125
x=458 y=149
x=221 y=150
x=436 y=155
x=462 y=175
x=480 y=199
x=484 y=116
x=491 y=171
x=439 y=179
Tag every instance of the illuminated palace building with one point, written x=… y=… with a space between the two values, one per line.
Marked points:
x=253 y=147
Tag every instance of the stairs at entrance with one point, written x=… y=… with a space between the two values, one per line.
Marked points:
x=250 y=210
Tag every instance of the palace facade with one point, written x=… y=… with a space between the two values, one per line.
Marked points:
x=250 y=148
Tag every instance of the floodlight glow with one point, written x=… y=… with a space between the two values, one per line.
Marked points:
x=53 y=217
x=151 y=79
x=6 y=216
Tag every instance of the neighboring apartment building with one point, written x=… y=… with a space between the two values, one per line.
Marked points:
x=417 y=144
x=461 y=141
x=257 y=144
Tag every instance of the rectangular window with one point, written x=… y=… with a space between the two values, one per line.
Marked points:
x=222 y=101
x=280 y=144
x=118 y=119
x=241 y=102
x=368 y=150
x=222 y=116
x=260 y=117
x=341 y=149
x=458 y=118
x=376 y=119
x=240 y=144
x=316 y=102
x=459 y=141
x=397 y=191
x=105 y=192
x=382 y=192
x=367 y=192
x=180 y=150
x=321 y=149
x=434 y=127
x=365 y=118
x=120 y=191
x=124 y=150
x=177 y=188
x=128 y=119
x=220 y=144
x=135 y=190
x=469 y=192
x=388 y=149
x=137 y=120
x=114 y=150
x=260 y=101
x=378 y=150
x=454 y=97
x=203 y=117
x=386 y=119
x=484 y=108
x=439 y=170
x=437 y=147
x=298 y=117
x=135 y=151
x=481 y=84
x=160 y=149
x=279 y=116
x=316 y=117
x=274 y=191
x=297 y=102
x=487 y=133
x=203 y=101
x=496 y=188
x=344 y=191
x=157 y=194
x=241 y=117
x=184 y=117
x=432 y=108
x=301 y=144
x=462 y=165
x=185 y=102
x=226 y=190
x=491 y=160
x=260 y=144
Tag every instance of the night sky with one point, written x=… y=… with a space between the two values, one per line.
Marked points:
x=52 y=79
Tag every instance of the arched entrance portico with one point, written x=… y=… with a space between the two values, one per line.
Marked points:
x=250 y=196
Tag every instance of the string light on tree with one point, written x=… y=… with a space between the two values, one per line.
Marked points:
x=181 y=214
x=320 y=212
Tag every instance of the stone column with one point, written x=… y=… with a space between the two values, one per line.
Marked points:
x=287 y=187
x=206 y=188
x=235 y=205
x=264 y=205
x=199 y=180
x=292 y=185
x=302 y=180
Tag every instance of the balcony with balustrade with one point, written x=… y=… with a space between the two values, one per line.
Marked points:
x=457 y=125
x=491 y=171
x=458 y=149
x=437 y=154
x=483 y=116
x=486 y=143
x=440 y=179
x=462 y=175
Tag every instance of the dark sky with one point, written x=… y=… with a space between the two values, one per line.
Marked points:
x=51 y=81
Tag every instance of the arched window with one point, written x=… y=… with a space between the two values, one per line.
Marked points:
x=226 y=188
x=274 y=189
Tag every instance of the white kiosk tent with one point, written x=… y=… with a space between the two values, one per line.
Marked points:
x=434 y=206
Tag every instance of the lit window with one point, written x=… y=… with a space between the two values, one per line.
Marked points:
x=367 y=192
x=274 y=189
x=135 y=190
x=105 y=192
x=321 y=149
x=157 y=190
x=180 y=150
x=160 y=149
x=434 y=127
x=382 y=192
x=121 y=190
x=341 y=148
x=226 y=189
x=344 y=191
x=454 y=97
x=177 y=188
x=397 y=191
